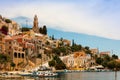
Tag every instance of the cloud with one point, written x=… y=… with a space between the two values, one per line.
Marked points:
x=100 y=18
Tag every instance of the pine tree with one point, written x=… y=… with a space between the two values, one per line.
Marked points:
x=53 y=37
x=44 y=30
x=40 y=30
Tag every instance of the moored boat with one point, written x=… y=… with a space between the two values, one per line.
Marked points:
x=39 y=74
x=44 y=74
x=50 y=74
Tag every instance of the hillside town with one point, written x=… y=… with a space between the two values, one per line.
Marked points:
x=28 y=48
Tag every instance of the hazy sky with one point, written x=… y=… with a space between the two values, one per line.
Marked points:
x=94 y=17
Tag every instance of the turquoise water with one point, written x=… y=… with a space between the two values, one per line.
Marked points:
x=83 y=76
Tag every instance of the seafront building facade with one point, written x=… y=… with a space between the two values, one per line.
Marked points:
x=78 y=60
x=14 y=50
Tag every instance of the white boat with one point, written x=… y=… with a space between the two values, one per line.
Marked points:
x=44 y=74
x=50 y=74
x=39 y=73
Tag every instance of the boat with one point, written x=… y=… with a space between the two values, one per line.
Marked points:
x=25 y=74
x=44 y=74
x=8 y=75
x=39 y=74
x=50 y=74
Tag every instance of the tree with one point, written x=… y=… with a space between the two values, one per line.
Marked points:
x=4 y=59
x=8 y=21
x=51 y=63
x=107 y=58
x=99 y=60
x=117 y=65
x=114 y=56
x=4 y=29
x=56 y=51
x=114 y=65
x=25 y=29
x=86 y=47
x=60 y=66
x=40 y=30
x=12 y=64
x=76 y=47
x=111 y=64
x=53 y=37
x=57 y=63
x=44 y=30
x=105 y=63
x=62 y=49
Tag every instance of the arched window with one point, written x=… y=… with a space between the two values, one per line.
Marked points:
x=22 y=55
x=15 y=55
x=18 y=55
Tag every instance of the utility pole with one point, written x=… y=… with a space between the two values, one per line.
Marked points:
x=112 y=52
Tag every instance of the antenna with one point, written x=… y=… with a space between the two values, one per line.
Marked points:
x=112 y=52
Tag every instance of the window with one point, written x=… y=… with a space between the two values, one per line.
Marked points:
x=9 y=42
x=9 y=47
x=15 y=55
x=22 y=55
x=42 y=44
x=18 y=55
x=40 y=47
x=9 y=53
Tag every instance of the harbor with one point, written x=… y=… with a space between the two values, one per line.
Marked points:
x=69 y=76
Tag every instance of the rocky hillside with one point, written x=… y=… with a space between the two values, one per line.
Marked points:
x=8 y=26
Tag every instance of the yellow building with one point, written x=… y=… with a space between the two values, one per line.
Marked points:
x=79 y=60
x=15 y=51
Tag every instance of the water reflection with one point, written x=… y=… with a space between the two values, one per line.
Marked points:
x=43 y=78
x=47 y=78
x=81 y=76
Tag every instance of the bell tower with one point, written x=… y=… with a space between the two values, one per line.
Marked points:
x=35 y=25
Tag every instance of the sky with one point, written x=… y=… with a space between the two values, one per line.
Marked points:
x=93 y=17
